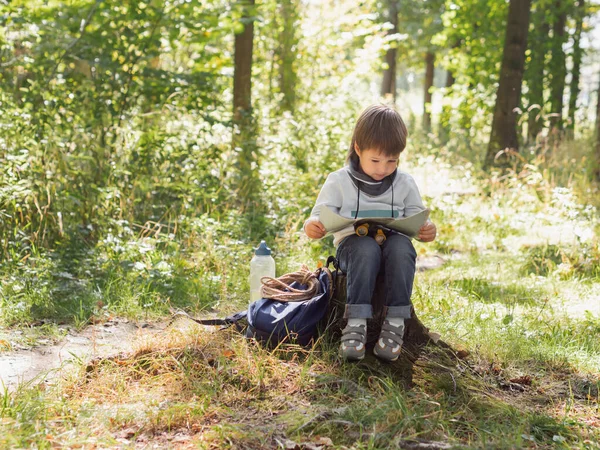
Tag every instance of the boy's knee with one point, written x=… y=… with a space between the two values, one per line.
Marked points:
x=401 y=247
x=365 y=248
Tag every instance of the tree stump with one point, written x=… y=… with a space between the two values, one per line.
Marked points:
x=416 y=335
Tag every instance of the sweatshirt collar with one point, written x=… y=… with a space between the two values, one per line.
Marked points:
x=364 y=182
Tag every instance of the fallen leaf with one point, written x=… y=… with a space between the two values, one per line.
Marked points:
x=462 y=354
x=291 y=445
x=323 y=440
x=228 y=353
x=127 y=433
x=524 y=380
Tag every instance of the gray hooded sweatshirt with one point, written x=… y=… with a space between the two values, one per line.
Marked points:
x=351 y=193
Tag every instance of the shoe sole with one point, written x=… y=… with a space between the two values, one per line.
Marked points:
x=352 y=358
x=383 y=357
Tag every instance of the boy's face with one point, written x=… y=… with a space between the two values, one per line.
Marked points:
x=376 y=164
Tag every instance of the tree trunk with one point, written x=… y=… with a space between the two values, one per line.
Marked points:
x=242 y=73
x=598 y=135
x=449 y=79
x=244 y=133
x=429 y=72
x=535 y=73
x=416 y=335
x=388 y=85
x=558 y=67
x=444 y=125
x=575 y=72
x=287 y=54
x=504 y=123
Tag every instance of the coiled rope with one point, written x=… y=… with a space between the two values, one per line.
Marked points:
x=280 y=288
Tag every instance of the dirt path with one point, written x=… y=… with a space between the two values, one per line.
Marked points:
x=43 y=362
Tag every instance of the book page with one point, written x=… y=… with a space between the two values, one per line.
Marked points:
x=406 y=225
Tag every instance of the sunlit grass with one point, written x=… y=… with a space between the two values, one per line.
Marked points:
x=210 y=388
x=520 y=272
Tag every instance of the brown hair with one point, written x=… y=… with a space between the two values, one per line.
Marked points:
x=379 y=127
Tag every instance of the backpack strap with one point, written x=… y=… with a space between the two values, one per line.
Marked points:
x=229 y=320
x=226 y=322
x=334 y=273
x=332 y=260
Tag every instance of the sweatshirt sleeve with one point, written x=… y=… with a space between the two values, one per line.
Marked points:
x=330 y=195
x=413 y=203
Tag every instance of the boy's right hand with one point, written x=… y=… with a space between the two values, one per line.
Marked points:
x=315 y=229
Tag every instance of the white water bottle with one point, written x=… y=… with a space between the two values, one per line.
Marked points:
x=262 y=265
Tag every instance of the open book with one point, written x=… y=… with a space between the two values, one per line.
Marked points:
x=406 y=225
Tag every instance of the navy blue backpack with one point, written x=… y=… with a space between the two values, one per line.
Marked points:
x=272 y=322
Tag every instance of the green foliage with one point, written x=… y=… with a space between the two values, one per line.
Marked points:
x=582 y=260
x=542 y=260
x=419 y=22
x=120 y=194
x=113 y=132
x=473 y=36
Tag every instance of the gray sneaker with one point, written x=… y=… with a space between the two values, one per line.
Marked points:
x=353 y=343
x=390 y=341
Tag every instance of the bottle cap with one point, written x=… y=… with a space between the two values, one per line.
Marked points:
x=262 y=249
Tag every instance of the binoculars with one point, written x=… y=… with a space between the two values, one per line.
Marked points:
x=375 y=231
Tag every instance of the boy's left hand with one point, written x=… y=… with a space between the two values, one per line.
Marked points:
x=427 y=232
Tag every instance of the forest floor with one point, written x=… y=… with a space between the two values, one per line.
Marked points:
x=507 y=288
x=31 y=355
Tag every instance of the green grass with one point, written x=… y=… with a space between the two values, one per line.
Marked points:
x=510 y=297
x=103 y=217
x=217 y=389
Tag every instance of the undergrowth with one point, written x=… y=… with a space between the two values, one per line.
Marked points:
x=515 y=296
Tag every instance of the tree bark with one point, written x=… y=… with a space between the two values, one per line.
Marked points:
x=535 y=74
x=429 y=72
x=388 y=85
x=444 y=124
x=242 y=72
x=247 y=182
x=576 y=71
x=416 y=335
x=598 y=135
x=558 y=67
x=287 y=56
x=504 y=123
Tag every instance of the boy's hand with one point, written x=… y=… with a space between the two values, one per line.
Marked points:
x=427 y=232
x=315 y=229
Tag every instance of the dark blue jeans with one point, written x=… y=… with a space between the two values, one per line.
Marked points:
x=361 y=258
